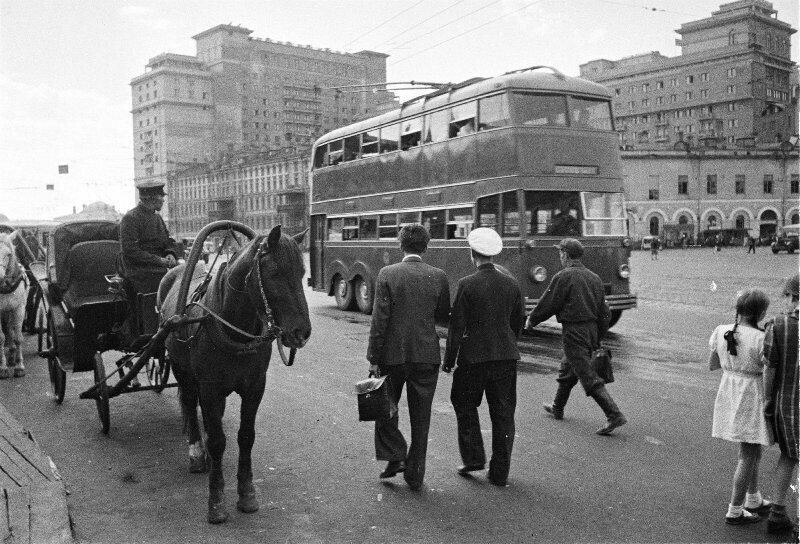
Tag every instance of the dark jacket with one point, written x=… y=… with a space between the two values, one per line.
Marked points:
x=487 y=316
x=145 y=240
x=575 y=295
x=409 y=297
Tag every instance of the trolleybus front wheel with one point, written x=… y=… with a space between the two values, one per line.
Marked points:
x=102 y=393
x=615 y=315
x=343 y=293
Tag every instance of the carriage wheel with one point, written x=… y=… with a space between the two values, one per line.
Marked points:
x=102 y=393
x=615 y=315
x=58 y=376
x=41 y=323
x=158 y=372
x=363 y=295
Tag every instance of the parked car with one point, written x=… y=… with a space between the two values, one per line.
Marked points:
x=788 y=240
x=727 y=237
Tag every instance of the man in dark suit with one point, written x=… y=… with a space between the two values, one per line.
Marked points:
x=409 y=297
x=577 y=298
x=485 y=322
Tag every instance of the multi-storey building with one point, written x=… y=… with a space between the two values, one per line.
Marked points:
x=259 y=191
x=734 y=83
x=702 y=189
x=242 y=95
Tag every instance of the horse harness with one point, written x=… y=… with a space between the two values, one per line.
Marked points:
x=215 y=324
x=9 y=283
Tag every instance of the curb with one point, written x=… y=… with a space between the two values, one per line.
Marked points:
x=33 y=499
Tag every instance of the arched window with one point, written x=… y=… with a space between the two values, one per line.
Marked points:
x=739 y=221
x=654 y=226
x=713 y=221
x=795 y=218
x=769 y=216
x=683 y=220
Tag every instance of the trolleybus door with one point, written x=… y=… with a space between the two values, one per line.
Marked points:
x=317 y=251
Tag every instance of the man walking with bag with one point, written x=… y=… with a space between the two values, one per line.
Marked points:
x=577 y=298
x=485 y=322
x=409 y=297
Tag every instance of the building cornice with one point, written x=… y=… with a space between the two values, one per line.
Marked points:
x=171 y=102
x=203 y=74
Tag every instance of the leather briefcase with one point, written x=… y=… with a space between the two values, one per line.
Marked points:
x=601 y=363
x=374 y=401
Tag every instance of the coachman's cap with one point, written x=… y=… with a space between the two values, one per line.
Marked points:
x=151 y=188
x=485 y=241
x=572 y=247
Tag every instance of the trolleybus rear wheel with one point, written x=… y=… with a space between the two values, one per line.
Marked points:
x=102 y=393
x=58 y=376
x=363 y=295
x=343 y=293
x=615 y=315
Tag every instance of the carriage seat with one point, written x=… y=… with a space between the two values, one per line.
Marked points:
x=86 y=267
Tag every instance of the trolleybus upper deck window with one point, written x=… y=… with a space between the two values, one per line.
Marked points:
x=389 y=136
x=590 y=113
x=532 y=109
x=387 y=226
x=412 y=133
x=335 y=230
x=335 y=152
x=368 y=228
x=436 y=126
x=369 y=143
x=320 y=155
x=553 y=213
x=351 y=147
x=488 y=211
x=462 y=119
x=350 y=228
x=493 y=112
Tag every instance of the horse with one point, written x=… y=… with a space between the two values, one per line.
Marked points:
x=13 y=295
x=254 y=298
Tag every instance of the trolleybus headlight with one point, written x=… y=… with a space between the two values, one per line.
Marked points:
x=624 y=271
x=626 y=242
x=538 y=274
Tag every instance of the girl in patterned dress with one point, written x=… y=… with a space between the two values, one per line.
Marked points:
x=739 y=406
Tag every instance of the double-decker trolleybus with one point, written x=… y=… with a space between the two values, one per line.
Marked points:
x=531 y=154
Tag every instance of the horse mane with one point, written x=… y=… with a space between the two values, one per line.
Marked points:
x=5 y=239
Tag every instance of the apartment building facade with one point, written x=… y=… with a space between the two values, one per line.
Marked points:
x=733 y=85
x=241 y=96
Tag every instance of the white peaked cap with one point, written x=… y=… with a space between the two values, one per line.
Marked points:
x=485 y=241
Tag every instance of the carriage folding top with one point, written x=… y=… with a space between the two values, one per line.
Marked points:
x=80 y=256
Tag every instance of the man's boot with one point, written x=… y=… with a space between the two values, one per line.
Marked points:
x=611 y=410
x=557 y=408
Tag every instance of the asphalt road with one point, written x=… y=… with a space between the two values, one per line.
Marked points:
x=661 y=478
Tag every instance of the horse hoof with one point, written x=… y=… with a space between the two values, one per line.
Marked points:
x=5 y=372
x=197 y=465
x=247 y=503
x=19 y=372
x=217 y=513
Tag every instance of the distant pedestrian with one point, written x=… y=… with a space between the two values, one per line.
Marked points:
x=751 y=244
x=781 y=393
x=485 y=322
x=654 y=245
x=739 y=404
x=409 y=297
x=717 y=243
x=683 y=241
x=576 y=297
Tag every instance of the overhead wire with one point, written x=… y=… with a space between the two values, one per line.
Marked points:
x=647 y=8
x=529 y=4
x=392 y=18
x=389 y=40
x=405 y=42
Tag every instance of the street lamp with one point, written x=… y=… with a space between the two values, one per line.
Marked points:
x=686 y=146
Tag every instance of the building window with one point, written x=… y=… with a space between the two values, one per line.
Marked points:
x=740 y=184
x=711 y=184
x=768 y=184
x=731 y=106
x=688 y=95
x=731 y=89
x=645 y=102
x=683 y=185
x=659 y=84
x=659 y=100
x=617 y=92
x=652 y=194
x=654 y=226
x=704 y=76
x=673 y=98
x=794 y=185
x=689 y=79
x=731 y=72
x=703 y=93
x=645 y=87
x=631 y=105
x=733 y=123
x=632 y=89
x=673 y=82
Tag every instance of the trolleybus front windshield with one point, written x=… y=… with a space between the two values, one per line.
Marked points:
x=570 y=213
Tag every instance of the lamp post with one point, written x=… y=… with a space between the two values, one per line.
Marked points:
x=686 y=147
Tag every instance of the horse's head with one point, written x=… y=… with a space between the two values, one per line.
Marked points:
x=8 y=256
x=280 y=271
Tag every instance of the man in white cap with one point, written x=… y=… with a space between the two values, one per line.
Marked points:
x=577 y=298
x=485 y=322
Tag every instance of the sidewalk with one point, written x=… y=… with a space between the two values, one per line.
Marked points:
x=33 y=502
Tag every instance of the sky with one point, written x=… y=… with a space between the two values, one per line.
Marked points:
x=66 y=65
